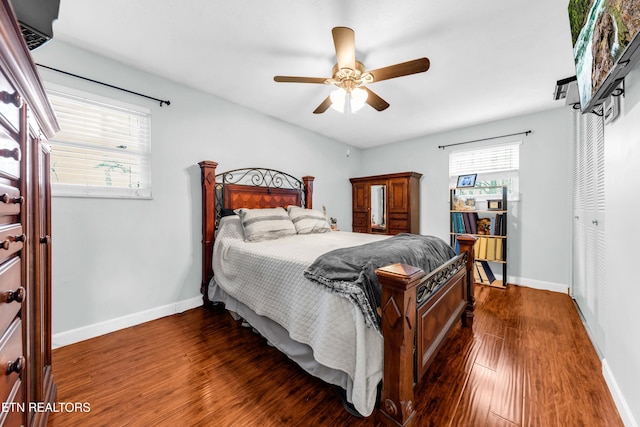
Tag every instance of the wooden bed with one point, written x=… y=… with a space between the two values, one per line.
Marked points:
x=414 y=321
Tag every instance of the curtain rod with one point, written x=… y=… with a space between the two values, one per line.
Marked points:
x=527 y=132
x=105 y=84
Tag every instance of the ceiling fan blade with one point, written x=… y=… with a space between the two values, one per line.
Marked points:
x=324 y=106
x=344 y=40
x=398 y=70
x=374 y=100
x=293 y=79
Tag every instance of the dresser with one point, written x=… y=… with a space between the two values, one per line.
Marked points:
x=386 y=204
x=26 y=122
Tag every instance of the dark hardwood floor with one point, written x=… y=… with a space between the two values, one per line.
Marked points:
x=527 y=362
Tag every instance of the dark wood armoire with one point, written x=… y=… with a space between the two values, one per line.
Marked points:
x=27 y=121
x=386 y=204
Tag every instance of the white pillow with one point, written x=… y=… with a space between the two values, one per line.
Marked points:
x=265 y=224
x=308 y=221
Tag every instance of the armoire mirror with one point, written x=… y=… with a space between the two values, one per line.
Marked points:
x=378 y=208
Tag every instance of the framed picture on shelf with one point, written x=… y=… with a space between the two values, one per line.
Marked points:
x=467 y=180
x=494 y=205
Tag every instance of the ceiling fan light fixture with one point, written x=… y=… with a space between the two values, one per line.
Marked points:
x=350 y=101
x=338 y=98
x=358 y=98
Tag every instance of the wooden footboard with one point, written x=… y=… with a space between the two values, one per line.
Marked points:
x=413 y=317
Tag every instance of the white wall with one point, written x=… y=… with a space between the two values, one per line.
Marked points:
x=539 y=229
x=622 y=340
x=127 y=261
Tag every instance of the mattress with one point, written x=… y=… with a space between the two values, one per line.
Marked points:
x=267 y=278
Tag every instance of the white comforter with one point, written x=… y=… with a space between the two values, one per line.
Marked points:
x=268 y=278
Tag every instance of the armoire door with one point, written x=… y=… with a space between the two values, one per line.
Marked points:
x=42 y=386
x=398 y=195
x=360 y=202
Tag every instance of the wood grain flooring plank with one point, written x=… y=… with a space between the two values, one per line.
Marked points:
x=508 y=393
x=490 y=351
x=473 y=409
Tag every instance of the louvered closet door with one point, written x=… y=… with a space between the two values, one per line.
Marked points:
x=589 y=279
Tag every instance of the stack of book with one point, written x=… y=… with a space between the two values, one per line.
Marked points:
x=489 y=248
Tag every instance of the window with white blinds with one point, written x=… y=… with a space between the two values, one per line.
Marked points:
x=103 y=148
x=495 y=165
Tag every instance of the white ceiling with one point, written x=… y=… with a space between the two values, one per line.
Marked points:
x=490 y=59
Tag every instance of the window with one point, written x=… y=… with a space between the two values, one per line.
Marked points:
x=103 y=148
x=495 y=165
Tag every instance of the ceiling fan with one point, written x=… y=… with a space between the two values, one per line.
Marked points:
x=350 y=77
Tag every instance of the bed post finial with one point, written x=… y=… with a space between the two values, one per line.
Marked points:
x=208 y=175
x=308 y=191
x=399 y=282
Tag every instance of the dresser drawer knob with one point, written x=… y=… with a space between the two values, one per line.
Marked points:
x=15 y=153
x=5 y=198
x=7 y=242
x=16 y=366
x=17 y=295
x=45 y=240
x=11 y=98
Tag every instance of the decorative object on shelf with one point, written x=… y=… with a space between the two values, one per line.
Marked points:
x=494 y=205
x=333 y=222
x=484 y=226
x=470 y=203
x=465 y=181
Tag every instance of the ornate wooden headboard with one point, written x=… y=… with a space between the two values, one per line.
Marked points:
x=244 y=188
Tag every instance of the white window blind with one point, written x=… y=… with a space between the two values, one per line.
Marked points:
x=103 y=148
x=495 y=165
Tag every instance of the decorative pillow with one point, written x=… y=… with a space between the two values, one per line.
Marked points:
x=265 y=224
x=308 y=221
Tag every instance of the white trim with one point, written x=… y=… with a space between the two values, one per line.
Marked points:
x=91 y=331
x=618 y=397
x=539 y=284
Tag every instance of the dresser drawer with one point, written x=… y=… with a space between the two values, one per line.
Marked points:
x=398 y=224
x=11 y=240
x=10 y=155
x=10 y=103
x=14 y=416
x=10 y=200
x=359 y=220
x=12 y=293
x=11 y=359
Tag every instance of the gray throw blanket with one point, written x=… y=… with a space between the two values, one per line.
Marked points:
x=350 y=272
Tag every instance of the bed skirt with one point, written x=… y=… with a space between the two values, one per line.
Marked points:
x=278 y=337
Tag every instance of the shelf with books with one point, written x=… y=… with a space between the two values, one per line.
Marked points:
x=483 y=213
